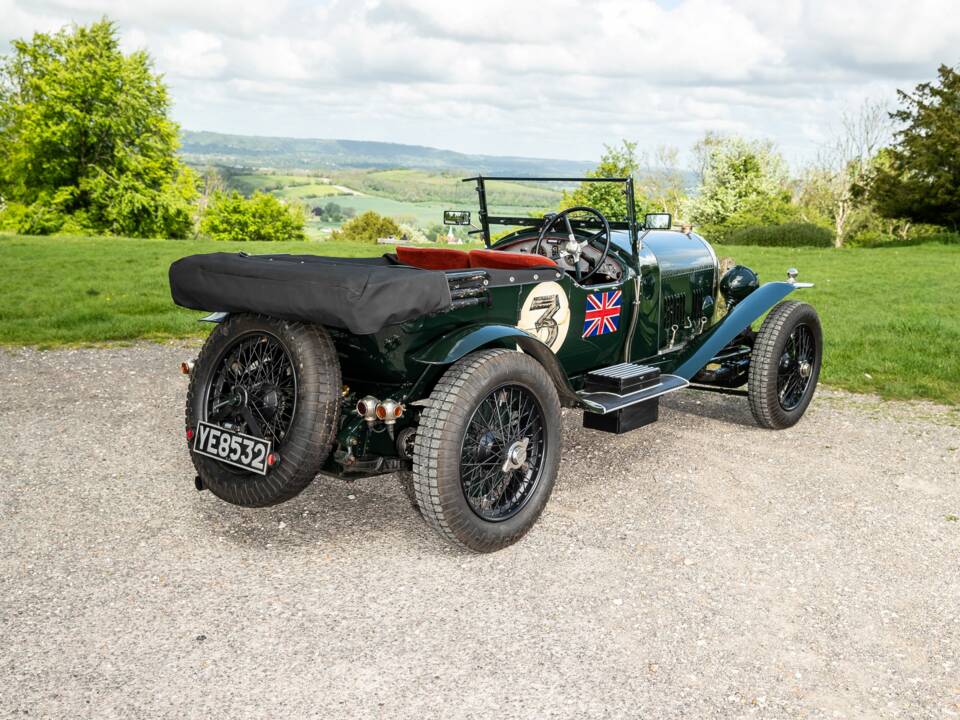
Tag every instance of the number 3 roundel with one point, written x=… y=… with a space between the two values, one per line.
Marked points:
x=546 y=314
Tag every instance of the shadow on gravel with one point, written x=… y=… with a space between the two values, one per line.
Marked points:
x=329 y=514
x=726 y=408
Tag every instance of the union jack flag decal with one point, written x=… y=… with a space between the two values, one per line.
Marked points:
x=603 y=313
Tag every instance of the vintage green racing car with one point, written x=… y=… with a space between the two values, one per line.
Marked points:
x=451 y=367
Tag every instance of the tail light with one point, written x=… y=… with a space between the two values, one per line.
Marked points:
x=389 y=411
x=367 y=409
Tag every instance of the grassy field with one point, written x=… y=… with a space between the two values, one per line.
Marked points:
x=423 y=186
x=888 y=314
x=414 y=196
x=888 y=318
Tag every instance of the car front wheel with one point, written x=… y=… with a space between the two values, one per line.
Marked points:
x=785 y=365
x=488 y=449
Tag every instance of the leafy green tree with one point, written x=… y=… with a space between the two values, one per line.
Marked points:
x=368 y=227
x=617 y=161
x=332 y=212
x=261 y=217
x=85 y=132
x=919 y=177
x=738 y=176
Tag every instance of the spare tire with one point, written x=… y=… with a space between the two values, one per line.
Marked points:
x=274 y=379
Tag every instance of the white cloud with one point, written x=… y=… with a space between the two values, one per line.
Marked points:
x=555 y=78
x=193 y=54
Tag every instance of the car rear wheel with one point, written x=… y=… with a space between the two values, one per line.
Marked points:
x=487 y=450
x=785 y=365
x=273 y=379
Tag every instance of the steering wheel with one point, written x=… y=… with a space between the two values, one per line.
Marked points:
x=571 y=249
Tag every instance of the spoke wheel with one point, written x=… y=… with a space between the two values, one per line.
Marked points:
x=487 y=449
x=253 y=388
x=502 y=453
x=273 y=379
x=796 y=367
x=785 y=365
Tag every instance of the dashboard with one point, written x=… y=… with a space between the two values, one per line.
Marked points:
x=610 y=271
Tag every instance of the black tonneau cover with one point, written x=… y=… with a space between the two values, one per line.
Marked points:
x=362 y=295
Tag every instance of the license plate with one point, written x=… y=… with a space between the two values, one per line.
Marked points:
x=233 y=448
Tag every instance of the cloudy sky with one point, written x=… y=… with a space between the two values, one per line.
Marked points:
x=550 y=78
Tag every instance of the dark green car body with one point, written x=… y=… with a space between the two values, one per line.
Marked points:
x=672 y=317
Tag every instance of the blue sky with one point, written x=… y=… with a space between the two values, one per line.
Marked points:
x=554 y=78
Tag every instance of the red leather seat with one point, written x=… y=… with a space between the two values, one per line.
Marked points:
x=433 y=258
x=500 y=260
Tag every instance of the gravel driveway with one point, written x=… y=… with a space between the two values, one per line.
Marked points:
x=697 y=568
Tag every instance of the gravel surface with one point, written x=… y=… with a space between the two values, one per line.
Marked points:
x=697 y=568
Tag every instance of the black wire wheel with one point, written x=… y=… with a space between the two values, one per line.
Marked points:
x=253 y=388
x=271 y=379
x=487 y=449
x=785 y=365
x=501 y=458
x=796 y=367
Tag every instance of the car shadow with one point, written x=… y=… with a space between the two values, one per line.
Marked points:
x=733 y=409
x=330 y=514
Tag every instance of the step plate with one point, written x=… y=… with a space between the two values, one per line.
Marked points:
x=621 y=379
x=607 y=402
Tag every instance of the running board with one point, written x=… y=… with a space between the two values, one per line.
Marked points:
x=625 y=397
x=604 y=402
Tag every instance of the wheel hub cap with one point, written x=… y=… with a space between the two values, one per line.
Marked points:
x=516 y=455
x=805 y=369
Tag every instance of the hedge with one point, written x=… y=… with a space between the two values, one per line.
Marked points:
x=786 y=235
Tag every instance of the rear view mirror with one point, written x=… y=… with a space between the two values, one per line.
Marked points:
x=456 y=217
x=658 y=221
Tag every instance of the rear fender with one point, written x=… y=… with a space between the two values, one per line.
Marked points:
x=742 y=315
x=453 y=346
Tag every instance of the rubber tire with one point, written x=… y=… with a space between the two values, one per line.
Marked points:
x=767 y=349
x=436 y=457
x=313 y=428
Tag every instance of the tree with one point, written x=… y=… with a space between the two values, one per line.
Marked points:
x=84 y=131
x=332 y=212
x=837 y=179
x=661 y=181
x=739 y=176
x=211 y=185
x=919 y=177
x=368 y=227
x=261 y=217
x=609 y=198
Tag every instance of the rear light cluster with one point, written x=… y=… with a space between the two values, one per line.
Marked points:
x=372 y=410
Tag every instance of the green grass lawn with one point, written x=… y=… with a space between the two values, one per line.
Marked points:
x=889 y=319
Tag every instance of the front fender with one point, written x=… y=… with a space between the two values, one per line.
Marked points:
x=455 y=345
x=742 y=315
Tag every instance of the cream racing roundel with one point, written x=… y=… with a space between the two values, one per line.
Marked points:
x=546 y=314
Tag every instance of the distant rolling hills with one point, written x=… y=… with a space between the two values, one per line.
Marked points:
x=209 y=148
